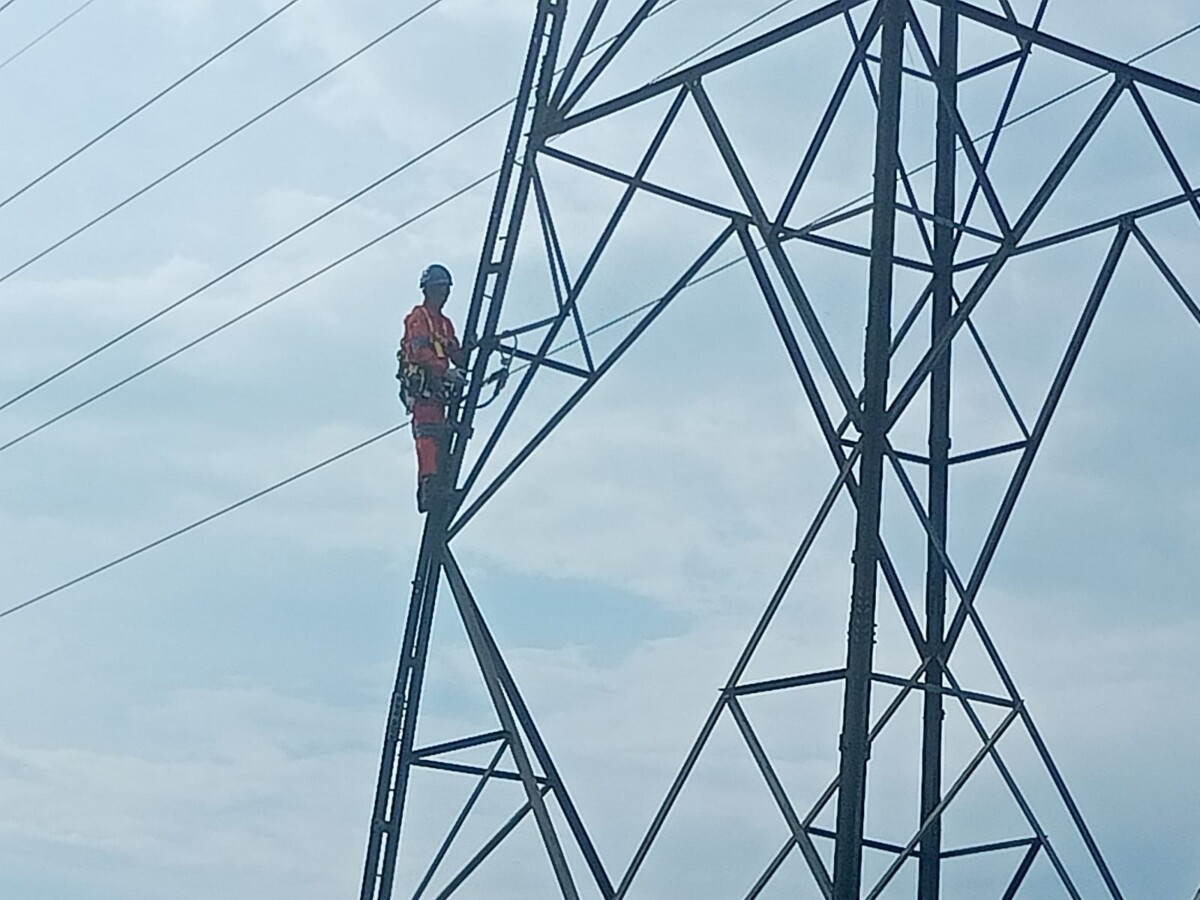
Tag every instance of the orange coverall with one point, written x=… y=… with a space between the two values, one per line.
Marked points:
x=429 y=342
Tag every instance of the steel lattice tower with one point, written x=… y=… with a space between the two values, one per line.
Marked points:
x=890 y=44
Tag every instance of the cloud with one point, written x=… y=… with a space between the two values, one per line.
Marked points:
x=183 y=12
x=655 y=511
x=264 y=783
x=210 y=714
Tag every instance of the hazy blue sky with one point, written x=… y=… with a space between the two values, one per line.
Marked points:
x=205 y=720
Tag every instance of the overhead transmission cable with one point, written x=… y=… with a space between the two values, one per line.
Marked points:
x=49 y=31
x=1089 y=82
x=148 y=103
x=262 y=304
x=274 y=245
x=7 y=4
x=387 y=432
x=253 y=120
x=133 y=329
x=1033 y=110
x=204 y=520
x=726 y=37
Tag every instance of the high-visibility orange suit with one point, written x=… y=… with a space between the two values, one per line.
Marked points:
x=427 y=381
x=430 y=343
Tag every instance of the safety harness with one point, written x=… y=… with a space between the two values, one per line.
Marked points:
x=417 y=383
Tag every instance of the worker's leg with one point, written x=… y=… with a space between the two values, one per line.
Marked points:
x=429 y=430
x=429 y=424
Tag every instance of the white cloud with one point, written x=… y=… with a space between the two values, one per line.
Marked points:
x=669 y=495
x=183 y=12
x=266 y=783
x=681 y=485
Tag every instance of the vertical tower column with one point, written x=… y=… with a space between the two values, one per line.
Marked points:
x=944 y=240
x=391 y=789
x=856 y=711
x=508 y=205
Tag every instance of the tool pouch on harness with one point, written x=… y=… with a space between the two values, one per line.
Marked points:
x=416 y=383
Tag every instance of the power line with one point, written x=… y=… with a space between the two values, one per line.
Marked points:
x=49 y=31
x=212 y=332
x=274 y=245
x=1057 y=98
x=629 y=314
x=253 y=120
x=717 y=43
x=470 y=126
x=7 y=4
x=158 y=542
x=146 y=105
x=1089 y=82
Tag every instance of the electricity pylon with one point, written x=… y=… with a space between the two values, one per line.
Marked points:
x=908 y=224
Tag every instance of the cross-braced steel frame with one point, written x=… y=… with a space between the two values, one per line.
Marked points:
x=556 y=98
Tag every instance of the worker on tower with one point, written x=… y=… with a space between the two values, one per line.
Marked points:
x=431 y=378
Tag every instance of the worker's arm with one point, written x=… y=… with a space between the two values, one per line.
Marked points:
x=458 y=354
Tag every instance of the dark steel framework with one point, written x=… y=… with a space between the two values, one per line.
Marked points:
x=859 y=433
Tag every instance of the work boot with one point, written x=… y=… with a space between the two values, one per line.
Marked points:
x=424 y=492
x=429 y=492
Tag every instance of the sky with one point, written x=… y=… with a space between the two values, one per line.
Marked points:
x=205 y=719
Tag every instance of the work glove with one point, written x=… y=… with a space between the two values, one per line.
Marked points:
x=455 y=380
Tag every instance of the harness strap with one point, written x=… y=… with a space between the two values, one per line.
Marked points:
x=436 y=340
x=430 y=430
